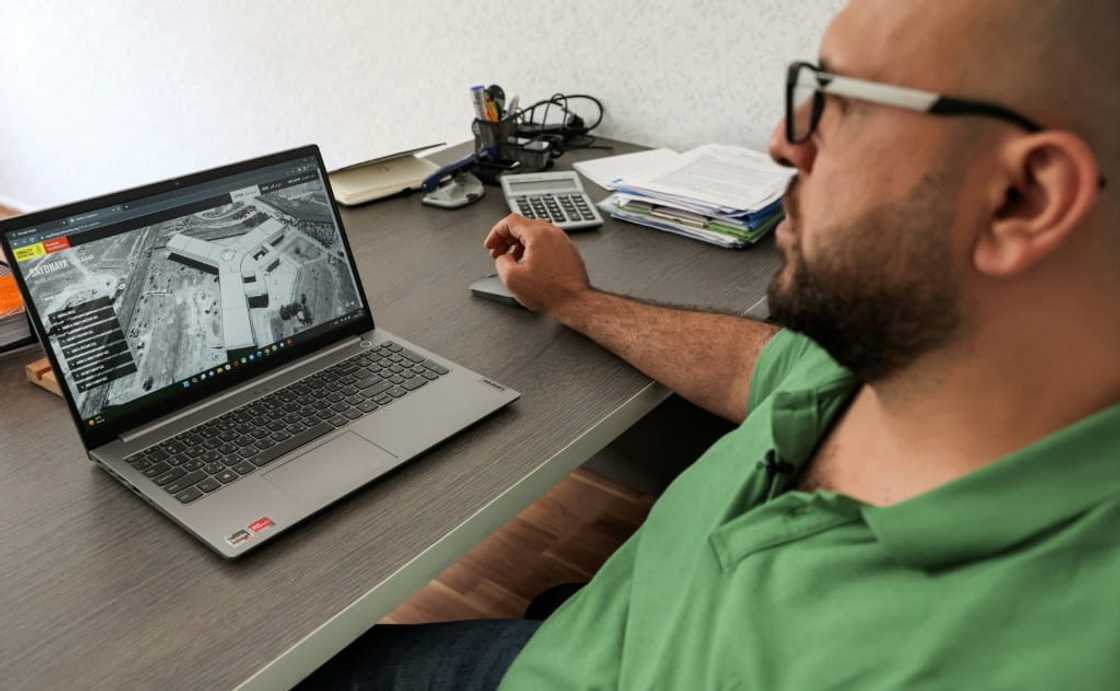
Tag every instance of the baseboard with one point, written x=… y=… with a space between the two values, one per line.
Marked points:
x=14 y=204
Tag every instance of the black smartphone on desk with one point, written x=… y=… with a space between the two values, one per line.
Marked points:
x=492 y=288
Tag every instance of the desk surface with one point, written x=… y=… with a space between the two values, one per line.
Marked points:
x=98 y=590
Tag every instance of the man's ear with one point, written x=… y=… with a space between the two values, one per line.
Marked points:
x=1049 y=186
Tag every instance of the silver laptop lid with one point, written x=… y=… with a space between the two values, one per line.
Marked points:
x=155 y=298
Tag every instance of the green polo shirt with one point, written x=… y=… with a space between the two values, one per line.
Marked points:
x=1006 y=578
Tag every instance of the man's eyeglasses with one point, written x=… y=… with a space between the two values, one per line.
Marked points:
x=807 y=85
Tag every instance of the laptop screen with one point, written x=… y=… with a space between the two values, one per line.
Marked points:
x=168 y=296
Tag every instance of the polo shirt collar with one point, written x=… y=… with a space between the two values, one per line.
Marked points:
x=983 y=513
x=1008 y=502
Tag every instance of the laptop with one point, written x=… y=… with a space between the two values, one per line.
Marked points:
x=218 y=353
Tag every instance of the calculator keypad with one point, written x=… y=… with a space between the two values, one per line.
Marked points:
x=557 y=208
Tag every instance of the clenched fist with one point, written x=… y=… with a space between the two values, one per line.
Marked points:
x=537 y=262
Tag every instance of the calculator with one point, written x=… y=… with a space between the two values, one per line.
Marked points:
x=557 y=197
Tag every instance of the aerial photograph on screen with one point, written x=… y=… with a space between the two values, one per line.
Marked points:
x=134 y=312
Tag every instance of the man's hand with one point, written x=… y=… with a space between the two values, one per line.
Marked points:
x=537 y=262
x=707 y=358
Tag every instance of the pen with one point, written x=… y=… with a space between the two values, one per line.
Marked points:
x=498 y=98
x=479 y=102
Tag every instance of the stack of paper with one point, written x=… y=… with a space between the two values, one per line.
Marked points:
x=611 y=172
x=725 y=195
x=15 y=330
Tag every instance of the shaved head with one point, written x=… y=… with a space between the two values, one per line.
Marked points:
x=1056 y=60
x=911 y=235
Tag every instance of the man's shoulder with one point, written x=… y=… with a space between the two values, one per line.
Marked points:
x=790 y=360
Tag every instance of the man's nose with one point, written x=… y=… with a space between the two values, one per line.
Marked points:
x=798 y=156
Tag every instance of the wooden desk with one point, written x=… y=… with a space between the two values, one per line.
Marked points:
x=97 y=590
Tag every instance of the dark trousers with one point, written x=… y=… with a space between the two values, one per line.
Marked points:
x=460 y=655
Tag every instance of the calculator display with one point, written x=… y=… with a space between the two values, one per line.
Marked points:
x=557 y=185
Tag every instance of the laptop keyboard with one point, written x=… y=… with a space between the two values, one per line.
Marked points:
x=217 y=453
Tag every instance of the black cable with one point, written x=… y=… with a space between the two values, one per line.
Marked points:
x=561 y=101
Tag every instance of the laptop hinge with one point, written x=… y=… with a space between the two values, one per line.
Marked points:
x=138 y=432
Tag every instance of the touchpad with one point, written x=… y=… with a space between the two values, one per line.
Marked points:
x=334 y=469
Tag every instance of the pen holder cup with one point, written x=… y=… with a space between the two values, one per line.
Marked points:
x=495 y=137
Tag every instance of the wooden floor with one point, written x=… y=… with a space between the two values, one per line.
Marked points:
x=563 y=537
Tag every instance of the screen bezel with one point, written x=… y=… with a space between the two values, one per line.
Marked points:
x=109 y=431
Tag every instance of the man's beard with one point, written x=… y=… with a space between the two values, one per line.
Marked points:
x=881 y=293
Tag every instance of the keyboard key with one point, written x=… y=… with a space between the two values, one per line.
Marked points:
x=192 y=465
x=340 y=407
x=367 y=406
x=338 y=421
x=184 y=482
x=209 y=485
x=213 y=469
x=226 y=476
x=436 y=367
x=414 y=383
x=248 y=452
x=430 y=376
x=393 y=346
x=170 y=476
x=280 y=436
x=157 y=454
x=396 y=392
x=173 y=446
x=353 y=413
x=188 y=495
x=397 y=379
x=296 y=441
x=383 y=399
x=156 y=469
x=244 y=468
x=265 y=443
x=378 y=389
x=355 y=399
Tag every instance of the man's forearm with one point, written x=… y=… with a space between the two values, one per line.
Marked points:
x=705 y=357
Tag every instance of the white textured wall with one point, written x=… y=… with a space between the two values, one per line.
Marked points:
x=97 y=96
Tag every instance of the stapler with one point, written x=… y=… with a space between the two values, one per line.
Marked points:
x=453 y=186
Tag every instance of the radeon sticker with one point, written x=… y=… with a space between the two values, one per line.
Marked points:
x=238 y=537
x=260 y=524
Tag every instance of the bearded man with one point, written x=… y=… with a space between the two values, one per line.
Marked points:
x=924 y=488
